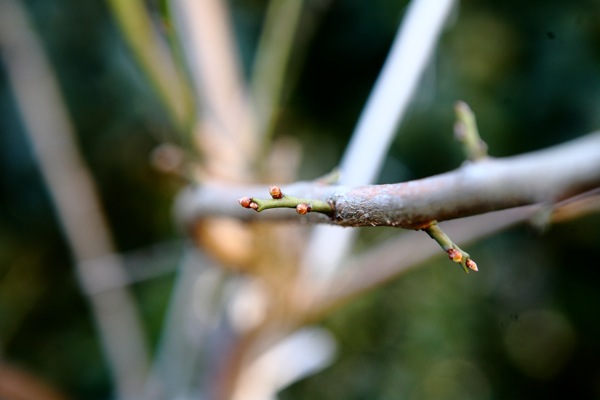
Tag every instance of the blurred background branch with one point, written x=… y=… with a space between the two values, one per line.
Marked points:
x=74 y=195
x=156 y=60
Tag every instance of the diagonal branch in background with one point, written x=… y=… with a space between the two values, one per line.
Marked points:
x=75 y=199
x=155 y=60
x=226 y=129
x=409 y=55
x=544 y=176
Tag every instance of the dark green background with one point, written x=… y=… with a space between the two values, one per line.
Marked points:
x=530 y=70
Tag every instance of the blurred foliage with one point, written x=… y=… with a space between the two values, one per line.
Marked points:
x=526 y=326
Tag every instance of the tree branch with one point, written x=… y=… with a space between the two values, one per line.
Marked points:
x=544 y=176
x=74 y=196
x=409 y=56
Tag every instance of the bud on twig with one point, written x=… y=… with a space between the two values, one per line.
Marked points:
x=245 y=202
x=303 y=208
x=275 y=192
x=472 y=265
x=455 y=255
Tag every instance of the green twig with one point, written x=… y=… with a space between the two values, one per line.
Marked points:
x=465 y=130
x=279 y=200
x=455 y=253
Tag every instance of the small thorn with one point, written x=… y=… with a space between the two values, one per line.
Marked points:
x=472 y=265
x=303 y=208
x=245 y=202
x=275 y=192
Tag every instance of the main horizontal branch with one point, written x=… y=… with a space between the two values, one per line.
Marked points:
x=544 y=176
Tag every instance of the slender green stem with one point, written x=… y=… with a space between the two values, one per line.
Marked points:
x=279 y=200
x=455 y=253
x=293 y=202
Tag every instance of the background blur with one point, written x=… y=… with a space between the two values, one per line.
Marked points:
x=526 y=326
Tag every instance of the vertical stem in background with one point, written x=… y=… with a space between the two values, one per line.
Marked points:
x=193 y=314
x=227 y=130
x=227 y=138
x=155 y=59
x=271 y=61
x=409 y=56
x=72 y=190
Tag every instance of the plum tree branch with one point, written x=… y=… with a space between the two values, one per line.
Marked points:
x=544 y=176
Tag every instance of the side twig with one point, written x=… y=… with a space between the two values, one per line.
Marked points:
x=455 y=253
x=465 y=131
x=279 y=200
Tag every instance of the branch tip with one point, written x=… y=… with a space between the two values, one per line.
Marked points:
x=245 y=202
x=472 y=265
x=460 y=131
x=279 y=200
x=455 y=253
x=466 y=132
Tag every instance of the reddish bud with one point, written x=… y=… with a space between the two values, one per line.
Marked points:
x=303 y=208
x=275 y=192
x=471 y=265
x=454 y=255
x=245 y=202
x=253 y=206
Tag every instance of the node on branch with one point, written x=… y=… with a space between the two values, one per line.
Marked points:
x=280 y=200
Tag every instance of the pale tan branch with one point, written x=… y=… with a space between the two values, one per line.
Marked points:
x=75 y=198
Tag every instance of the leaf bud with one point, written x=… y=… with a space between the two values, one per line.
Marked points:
x=245 y=202
x=275 y=192
x=303 y=208
x=471 y=265
x=454 y=255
